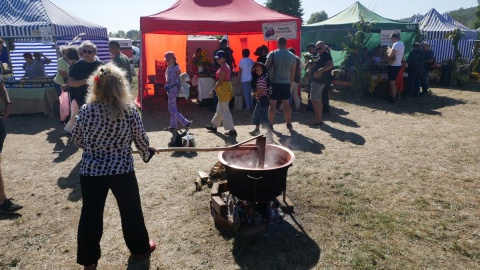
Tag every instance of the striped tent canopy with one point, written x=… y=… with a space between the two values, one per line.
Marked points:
x=23 y=20
x=452 y=20
x=435 y=26
x=443 y=49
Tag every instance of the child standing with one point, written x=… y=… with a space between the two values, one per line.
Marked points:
x=260 y=83
x=245 y=71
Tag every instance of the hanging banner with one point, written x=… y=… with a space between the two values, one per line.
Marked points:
x=45 y=33
x=272 y=31
x=385 y=34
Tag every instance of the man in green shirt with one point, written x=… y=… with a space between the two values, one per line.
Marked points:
x=120 y=59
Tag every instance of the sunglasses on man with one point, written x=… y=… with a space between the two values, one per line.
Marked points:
x=87 y=51
x=318 y=49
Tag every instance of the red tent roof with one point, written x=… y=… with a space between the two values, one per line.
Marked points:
x=209 y=17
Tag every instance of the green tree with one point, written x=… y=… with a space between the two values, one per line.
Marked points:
x=354 y=52
x=120 y=34
x=133 y=34
x=459 y=16
x=317 y=17
x=288 y=7
x=476 y=23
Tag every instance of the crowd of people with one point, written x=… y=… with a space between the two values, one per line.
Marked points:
x=270 y=85
x=417 y=65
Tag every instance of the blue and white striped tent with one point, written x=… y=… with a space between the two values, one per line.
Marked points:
x=22 y=21
x=469 y=33
x=435 y=28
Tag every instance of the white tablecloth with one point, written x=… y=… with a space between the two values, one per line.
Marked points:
x=205 y=85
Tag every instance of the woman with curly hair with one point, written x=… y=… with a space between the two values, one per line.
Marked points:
x=105 y=128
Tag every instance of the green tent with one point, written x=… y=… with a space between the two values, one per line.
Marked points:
x=335 y=30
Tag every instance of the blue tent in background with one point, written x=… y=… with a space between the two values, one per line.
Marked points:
x=435 y=28
x=469 y=33
x=27 y=21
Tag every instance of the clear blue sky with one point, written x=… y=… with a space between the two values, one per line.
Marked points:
x=125 y=14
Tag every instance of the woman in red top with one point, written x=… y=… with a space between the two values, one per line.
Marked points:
x=224 y=90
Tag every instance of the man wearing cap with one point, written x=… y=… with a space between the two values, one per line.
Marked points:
x=283 y=63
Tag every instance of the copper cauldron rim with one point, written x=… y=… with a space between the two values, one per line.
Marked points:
x=287 y=164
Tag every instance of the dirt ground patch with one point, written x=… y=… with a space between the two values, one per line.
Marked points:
x=379 y=186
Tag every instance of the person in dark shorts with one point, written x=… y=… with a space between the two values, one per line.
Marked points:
x=320 y=78
x=395 y=56
x=283 y=63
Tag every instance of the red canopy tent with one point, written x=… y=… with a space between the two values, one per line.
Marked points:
x=241 y=20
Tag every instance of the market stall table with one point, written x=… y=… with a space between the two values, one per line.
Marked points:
x=33 y=100
x=205 y=85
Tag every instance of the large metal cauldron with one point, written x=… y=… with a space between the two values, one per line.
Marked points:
x=248 y=182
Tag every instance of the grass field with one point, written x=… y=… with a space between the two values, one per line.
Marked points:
x=379 y=186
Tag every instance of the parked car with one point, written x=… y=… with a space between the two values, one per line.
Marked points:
x=136 y=56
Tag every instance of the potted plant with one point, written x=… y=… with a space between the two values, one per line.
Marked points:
x=201 y=62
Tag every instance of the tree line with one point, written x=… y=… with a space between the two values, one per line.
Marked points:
x=469 y=17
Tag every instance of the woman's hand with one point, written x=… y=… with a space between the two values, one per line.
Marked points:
x=153 y=149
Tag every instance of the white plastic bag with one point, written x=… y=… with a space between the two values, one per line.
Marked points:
x=183 y=85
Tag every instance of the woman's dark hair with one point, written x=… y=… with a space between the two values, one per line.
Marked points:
x=28 y=55
x=72 y=53
x=255 y=76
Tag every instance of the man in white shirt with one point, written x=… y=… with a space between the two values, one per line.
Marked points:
x=395 y=55
x=245 y=71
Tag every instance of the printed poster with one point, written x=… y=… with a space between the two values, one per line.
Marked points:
x=45 y=33
x=272 y=31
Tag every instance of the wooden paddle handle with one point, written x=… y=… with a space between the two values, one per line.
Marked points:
x=196 y=149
